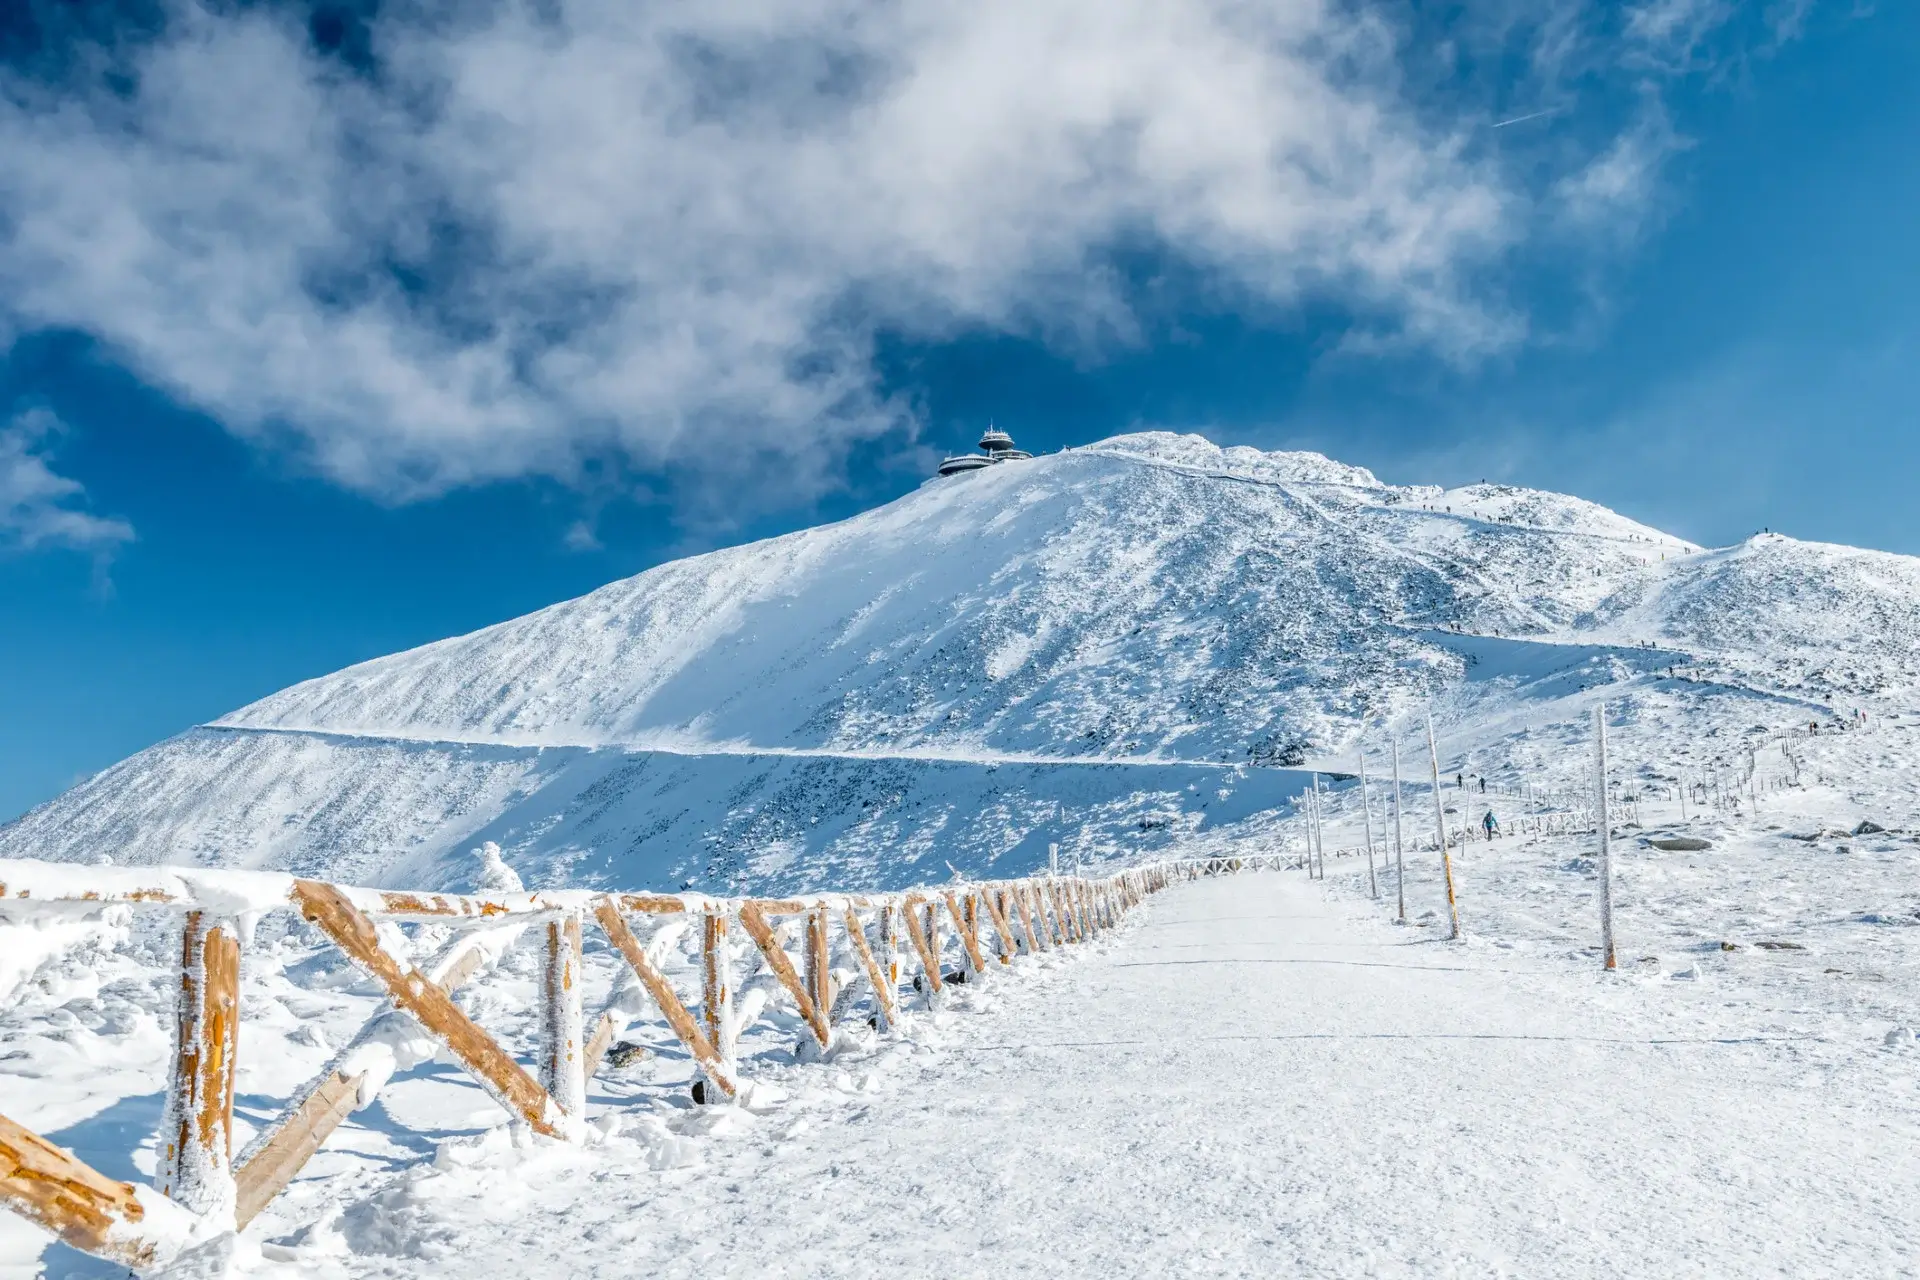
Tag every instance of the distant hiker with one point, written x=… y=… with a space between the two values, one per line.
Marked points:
x=1459 y=782
x=1483 y=785
x=1492 y=824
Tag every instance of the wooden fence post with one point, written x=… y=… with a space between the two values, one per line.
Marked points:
x=563 y=1041
x=716 y=987
x=429 y=1005
x=926 y=943
x=1034 y=943
x=705 y=1055
x=976 y=964
x=883 y=1014
x=1440 y=826
x=819 y=971
x=890 y=944
x=196 y=1126
x=1009 y=944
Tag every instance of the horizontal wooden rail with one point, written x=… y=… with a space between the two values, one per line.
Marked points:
x=977 y=926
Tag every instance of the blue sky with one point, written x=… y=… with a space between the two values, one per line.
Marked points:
x=329 y=331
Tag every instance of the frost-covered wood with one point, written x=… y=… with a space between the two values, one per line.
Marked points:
x=421 y=1018
x=563 y=1032
x=929 y=957
x=614 y=925
x=755 y=923
x=976 y=963
x=279 y=1151
x=65 y=1195
x=1440 y=831
x=196 y=1125
x=819 y=969
x=716 y=987
x=429 y=1005
x=1034 y=936
x=884 y=1016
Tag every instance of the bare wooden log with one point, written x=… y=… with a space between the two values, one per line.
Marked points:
x=885 y=1016
x=762 y=934
x=614 y=925
x=196 y=1125
x=716 y=987
x=65 y=1195
x=563 y=1024
x=429 y=1005
x=969 y=944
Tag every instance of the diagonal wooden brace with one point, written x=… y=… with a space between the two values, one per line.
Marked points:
x=968 y=941
x=1009 y=945
x=276 y=1157
x=754 y=921
x=428 y=1004
x=614 y=925
x=70 y=1198
x=882 y=988
x=929 y=962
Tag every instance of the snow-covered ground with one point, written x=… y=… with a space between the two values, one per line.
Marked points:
x=1257 y=1075
x=1134 y=650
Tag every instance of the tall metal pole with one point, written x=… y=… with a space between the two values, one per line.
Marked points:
x=1399 y=859
x=1606 y=852
x=1319 y=852
x=1440 y=829
x=1320 y=822
x=1366 y=807
x=1306 y=806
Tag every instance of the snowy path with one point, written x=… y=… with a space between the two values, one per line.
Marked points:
x=1249 y=1080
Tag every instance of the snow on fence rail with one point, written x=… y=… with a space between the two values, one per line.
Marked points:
x=204 y=1191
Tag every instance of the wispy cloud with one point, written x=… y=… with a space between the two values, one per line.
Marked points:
x=40 y=507
x=500 y=240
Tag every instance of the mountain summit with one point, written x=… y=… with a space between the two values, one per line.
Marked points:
x=1097 y=647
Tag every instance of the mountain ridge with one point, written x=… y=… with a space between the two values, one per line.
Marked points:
x=1151 y=636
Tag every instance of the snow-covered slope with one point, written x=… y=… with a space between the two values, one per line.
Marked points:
x=1102 y=648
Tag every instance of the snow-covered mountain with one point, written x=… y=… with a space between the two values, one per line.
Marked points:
x=1102 y=648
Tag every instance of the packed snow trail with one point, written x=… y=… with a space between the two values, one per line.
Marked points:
x=1248 y=1079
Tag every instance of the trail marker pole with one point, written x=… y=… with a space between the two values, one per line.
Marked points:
x=1606 y=853
x=1319 y=829
x=1399 y=858
x=1366 y=808
x=1440 y=829
x=1053 y=859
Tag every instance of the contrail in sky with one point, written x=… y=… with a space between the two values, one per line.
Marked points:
x=1522 y=119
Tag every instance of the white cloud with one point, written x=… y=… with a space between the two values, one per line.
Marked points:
x=38 y=506
x=668 y=233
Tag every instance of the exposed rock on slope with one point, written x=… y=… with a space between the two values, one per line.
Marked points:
x=1100 y=647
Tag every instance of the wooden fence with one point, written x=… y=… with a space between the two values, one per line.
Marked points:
x=204 y=1190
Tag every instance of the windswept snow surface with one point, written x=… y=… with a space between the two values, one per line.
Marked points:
x=1109 y=648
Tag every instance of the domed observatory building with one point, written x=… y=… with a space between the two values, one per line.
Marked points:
x=995 y=446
